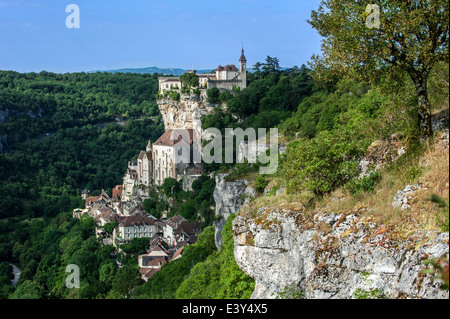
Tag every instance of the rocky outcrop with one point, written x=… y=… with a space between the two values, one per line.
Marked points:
x=402 y=197
x=185 y=113
x=380 y=153
x=335 y=256
x=229 y=197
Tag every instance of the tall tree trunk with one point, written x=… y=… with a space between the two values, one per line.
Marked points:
x=424 y=106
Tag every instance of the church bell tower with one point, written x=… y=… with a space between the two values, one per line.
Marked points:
x=243 y=69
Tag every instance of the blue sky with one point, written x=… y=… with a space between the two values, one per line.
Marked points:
x=143 y=33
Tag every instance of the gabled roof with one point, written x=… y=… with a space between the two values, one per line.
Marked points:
x=142 y=154
x=137 y=220
x=175 y=221
x=179 y=137
x=177 y=253
x=155 y=261
x=228 y=67
x=148 y=273
x=117 y=191
x=91 y=199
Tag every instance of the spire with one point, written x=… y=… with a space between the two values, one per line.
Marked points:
x=242 y=58
x=149 y=146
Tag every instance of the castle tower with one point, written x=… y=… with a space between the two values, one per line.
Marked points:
x=243 y=69
x=149 y=146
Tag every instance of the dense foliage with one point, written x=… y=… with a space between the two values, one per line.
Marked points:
x=219 y=277
x=42 y=177
x=410 y=37
x=271 y=96
x=59 y=135
x=42 y=103
x=164 y=283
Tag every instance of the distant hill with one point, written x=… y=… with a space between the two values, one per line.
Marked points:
x=154 y=69
x=151 y=70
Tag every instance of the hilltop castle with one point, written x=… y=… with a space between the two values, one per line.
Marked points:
x=226 y=77
x=172 y=154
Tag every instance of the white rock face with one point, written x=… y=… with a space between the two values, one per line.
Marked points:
x=353 y=256
x=229 y=197
x=183 y=114
x=402 y=197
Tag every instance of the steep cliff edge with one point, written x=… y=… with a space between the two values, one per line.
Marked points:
x=185 y=113
x=229 y=197
x=335 y=256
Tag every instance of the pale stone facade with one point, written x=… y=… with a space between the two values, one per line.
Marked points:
x=129 y=181
x=137 y=226
x=172 y=154
x=226 y=77
x=145 y=166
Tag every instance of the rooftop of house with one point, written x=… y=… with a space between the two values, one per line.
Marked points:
x=175 y=137
x=228 y=67
x=139 y=219
x=117 y=191
x=177 y=253
x=152 y=261
x=142 y=154
x=175 y=221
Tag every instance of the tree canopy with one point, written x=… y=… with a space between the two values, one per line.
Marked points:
x=412 y=37
x=189 y=80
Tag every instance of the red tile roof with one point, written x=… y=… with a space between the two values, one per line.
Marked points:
x=143 y=153
x=177 y=136
x=117 y=191
x=228 y=67
x=138 y=219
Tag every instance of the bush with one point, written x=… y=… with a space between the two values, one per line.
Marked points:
x=366 y=184
x=213 y=95
x=260 y=184
x=323 y=163
x=171 y=187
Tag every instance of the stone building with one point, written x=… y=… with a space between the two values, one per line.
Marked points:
x=139 y=225
x=176 y=154
x=179 y=232
x=130 y=180
x=230 y=77
x=145 y=166
x=173 y=155
x=226 y=77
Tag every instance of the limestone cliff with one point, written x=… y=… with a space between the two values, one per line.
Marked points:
x=185 y=113
x=335 y=256
x=229 y=197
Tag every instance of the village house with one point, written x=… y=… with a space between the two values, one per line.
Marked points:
x=178 y=231
x=159 y=253
x=105 y=215
x=93 y=205
x=117 y=194
x=77 y=212
x=129 y=180
x=139 y=225
x=173 y=155
x=145 y=166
